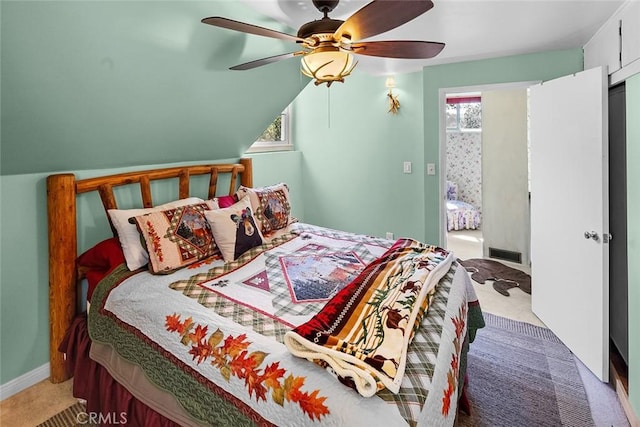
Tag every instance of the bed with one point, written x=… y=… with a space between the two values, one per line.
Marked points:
x=305 y=325
x=460 y=215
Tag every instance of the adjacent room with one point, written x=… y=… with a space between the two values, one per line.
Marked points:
x=487 y=166
x=319 y=212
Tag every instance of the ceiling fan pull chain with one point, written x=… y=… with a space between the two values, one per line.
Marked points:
x=329 y=107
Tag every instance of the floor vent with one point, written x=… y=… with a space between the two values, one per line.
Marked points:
x=505 y=255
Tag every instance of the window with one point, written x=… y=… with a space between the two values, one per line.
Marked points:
x=464 y=113
x=276 y=137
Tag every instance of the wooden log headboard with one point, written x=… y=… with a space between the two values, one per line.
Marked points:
x=62 y=190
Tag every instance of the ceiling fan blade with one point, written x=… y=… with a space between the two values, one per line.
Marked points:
x=263 y=61
x=404 y=49
x=243 y=27
x=380 y=16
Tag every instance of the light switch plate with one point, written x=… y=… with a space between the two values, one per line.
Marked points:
x=431 y=168
x=406 y=167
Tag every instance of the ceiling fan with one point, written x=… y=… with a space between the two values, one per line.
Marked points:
x=328 y=44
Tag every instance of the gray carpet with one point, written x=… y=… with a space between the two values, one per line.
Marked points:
x=522 y=375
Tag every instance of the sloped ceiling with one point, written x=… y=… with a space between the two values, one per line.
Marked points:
x=102 y=84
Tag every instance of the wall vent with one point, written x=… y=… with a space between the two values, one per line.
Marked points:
x=505 y=255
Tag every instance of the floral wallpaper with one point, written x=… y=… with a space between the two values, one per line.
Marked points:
x=464 y=165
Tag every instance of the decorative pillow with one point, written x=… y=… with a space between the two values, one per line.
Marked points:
x=103 y=256
x=176 y=237
x=452 y=190
x=99 y=261
x=94 y=277
x=270 y=204
x=235 y=229
x=135 y=254
x=226 y=201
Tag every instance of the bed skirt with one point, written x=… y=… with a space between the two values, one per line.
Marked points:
x=106 y=399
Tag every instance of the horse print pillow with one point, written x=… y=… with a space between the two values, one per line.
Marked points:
x=235 y=229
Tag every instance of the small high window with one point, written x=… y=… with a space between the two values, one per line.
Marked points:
x=276 y=137
x=464 y=113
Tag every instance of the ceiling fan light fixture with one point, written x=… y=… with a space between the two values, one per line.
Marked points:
x=327 y=64
x=328 y=45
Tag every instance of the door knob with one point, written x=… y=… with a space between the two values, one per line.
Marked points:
x=591 y=235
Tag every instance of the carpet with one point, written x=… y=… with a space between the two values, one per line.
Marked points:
x=504 y=277
x=522 y=375
x=73 y=416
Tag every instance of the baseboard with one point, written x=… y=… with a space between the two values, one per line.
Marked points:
x=619 y=384
x=24 y=381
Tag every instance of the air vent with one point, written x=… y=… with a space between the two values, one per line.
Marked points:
x=505 y=255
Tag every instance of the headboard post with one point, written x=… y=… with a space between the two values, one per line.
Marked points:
x=246 y=178
x=61 y=208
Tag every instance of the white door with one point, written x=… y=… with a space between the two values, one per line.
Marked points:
x=569 y=213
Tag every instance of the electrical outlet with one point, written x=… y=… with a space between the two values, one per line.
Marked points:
x=406 y=167
x=389 y=235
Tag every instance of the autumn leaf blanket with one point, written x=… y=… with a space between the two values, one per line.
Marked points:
x=363 y=333
x=211 y=337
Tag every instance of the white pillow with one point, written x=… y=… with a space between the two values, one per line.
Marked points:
x=134 y=253
x=234 y=229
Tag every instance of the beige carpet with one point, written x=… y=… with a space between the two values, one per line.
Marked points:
x=36 y=404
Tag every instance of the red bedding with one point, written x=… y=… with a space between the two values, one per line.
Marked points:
x=106 y=400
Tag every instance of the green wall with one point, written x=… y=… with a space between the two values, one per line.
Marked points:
x=24 y=291
x=353 y=150
x=633 y=236
x=101 y=84
x=96 y=86
x=353 y=154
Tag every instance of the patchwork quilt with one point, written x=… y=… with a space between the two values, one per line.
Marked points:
x=213 y=334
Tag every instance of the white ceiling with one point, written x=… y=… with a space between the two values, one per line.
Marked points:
x=471 y=29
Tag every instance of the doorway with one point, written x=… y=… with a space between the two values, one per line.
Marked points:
x=489 y=164
x=485 y=168
x=463 y=173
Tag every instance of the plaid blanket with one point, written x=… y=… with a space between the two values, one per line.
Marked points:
x=363 y=333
